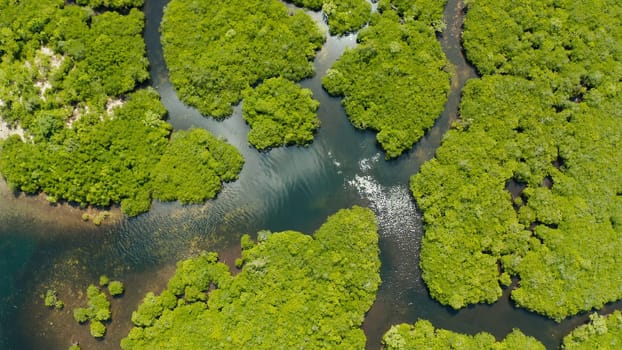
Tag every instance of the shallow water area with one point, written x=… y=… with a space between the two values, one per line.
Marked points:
x=293 y=188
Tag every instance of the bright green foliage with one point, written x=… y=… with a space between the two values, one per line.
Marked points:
x=81 y=314
x=280 y=112
x=103 y=280
x=96 y=161
x=111 y=3
x=546 y=116
x=422 y=335
x=97 y=311
x=193 y=167
x=74 y=347
x=62 y=69
x=427 y=11
x=294 y=291
x=394 y=81
x=603 y=332
x=85 y=59
x=216 y=51
x=51 y=300
x=97 y=329
x=115 y=288
x=344 y=16
x=121 y=159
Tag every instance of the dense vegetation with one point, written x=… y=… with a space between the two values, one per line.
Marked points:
x=111 y=3
x=603 y=332
x=215 y=52
x=294 y=291
x=395 y=81
x=68 y=76
x=115 y=288
x=343 y=16
x=194 y=166
x=280 y=112
x=543 y=123
x=423 y=335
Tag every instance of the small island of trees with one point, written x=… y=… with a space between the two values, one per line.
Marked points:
x=280 y=112
x=395 y=81
x=294 y=291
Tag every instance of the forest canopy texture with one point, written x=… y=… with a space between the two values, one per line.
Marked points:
x=602 y=332
x=68 y=77
x=395 y=80
x=294 y=291
x=528 y=184
x=423 y=335
x=280 y=112
x=343 y=16
x=215 y=52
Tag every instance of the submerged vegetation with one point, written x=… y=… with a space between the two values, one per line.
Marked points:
x=294 y=291
x=395 y=81
x=68 y=76
x=423 y=335
x=215 y=52
x=280 y=112
x=527 y=185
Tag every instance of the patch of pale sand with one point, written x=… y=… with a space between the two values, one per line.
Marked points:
x=76 y=114
x=53 y=63
x=43 y=86
x=113 y=103
x=7 y=131
x=55 y=60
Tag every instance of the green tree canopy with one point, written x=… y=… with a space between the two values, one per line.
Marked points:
x=422 y=335
x=280 y=112
x=68 y=76
x=602 y=332
x=293 y=291
x=216 y=51
x=343 y=16
x=395 y=81
x=528 y=182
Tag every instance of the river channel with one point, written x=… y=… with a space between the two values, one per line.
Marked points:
x=292 y=188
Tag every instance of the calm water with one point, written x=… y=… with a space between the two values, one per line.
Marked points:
x=292 y=188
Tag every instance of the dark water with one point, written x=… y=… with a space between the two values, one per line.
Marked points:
x=293 y=188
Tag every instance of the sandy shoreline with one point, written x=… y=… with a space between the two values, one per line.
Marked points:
x=32 y=209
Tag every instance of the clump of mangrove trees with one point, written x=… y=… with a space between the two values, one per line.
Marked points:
x=215 y=52
x=395 y=81
x=294 y=291
x=423 y=335
x=280 y=112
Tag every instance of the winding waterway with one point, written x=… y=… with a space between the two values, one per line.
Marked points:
x=292 y=188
